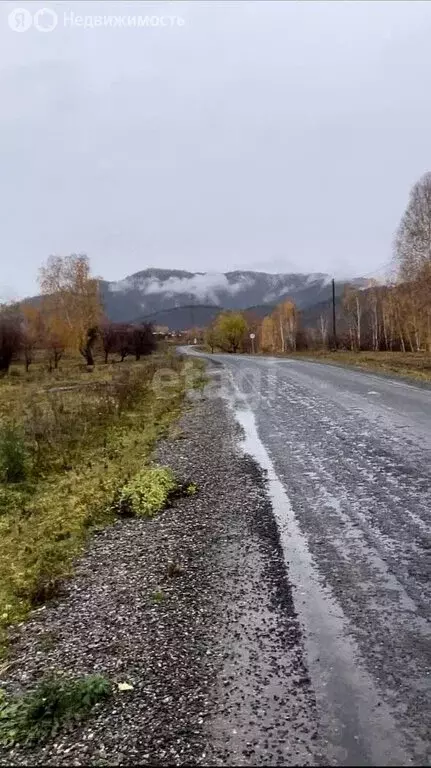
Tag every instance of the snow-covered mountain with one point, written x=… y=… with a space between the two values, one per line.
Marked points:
x=151 y=291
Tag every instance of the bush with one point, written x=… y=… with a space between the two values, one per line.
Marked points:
x=13 y=455
x=37 y=715
x=147 y=493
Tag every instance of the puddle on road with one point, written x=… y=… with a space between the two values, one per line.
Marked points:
x=356 y=726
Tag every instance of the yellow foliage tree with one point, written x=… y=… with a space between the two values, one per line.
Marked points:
x=285 y=318
x=231 y=328
x=72 y=305
x=268 y=334
x=32 y=331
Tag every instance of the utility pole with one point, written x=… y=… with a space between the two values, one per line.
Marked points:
x=334 y=322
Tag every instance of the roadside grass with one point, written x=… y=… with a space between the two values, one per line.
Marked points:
x=197 y=373
x=38 y=714
x=70 y=442
x=416 y=365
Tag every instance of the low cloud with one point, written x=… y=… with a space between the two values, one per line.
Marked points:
x=204 y=286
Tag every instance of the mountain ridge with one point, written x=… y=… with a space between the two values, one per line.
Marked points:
x=155 y=290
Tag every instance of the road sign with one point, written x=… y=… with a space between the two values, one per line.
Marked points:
x=252 y=335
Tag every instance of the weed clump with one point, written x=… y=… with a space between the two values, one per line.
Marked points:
x=38 y=714
x=147 y=493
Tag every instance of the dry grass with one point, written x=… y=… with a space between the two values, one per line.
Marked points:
x=416 y=365
x=74 y=438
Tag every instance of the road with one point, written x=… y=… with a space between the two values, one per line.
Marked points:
x=348 y=458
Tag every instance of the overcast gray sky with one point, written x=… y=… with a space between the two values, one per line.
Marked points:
x=280 y=136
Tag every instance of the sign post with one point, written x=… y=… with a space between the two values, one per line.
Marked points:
x=252 y=336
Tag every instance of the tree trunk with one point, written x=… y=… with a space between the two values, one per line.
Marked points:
x=323 y=330
x=282 y=335
x=358 y=323
x=385 y=333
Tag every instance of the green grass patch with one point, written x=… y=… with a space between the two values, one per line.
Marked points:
x=13 y=454
x=39 y=714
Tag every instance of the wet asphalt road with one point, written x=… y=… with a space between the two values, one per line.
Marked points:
x=348 y=456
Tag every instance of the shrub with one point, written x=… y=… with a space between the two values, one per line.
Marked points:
x=37 y=715
x=13 y=454
x=147 y=493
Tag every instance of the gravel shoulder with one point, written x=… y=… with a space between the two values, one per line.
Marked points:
x=217 y=664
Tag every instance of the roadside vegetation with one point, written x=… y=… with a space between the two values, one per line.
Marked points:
x=415 y=365
x=76 y=432
x=38 y=714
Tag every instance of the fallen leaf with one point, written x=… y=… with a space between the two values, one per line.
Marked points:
x=125 y=687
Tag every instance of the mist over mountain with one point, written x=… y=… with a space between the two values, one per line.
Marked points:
x=160 y=294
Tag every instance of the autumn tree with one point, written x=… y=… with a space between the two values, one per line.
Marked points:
x=352 y=304
x=253 y=326
x=231 y=328
x=32 y=331
x=108 y=338
x=285 y=317
x=211 y=339
x=10 y=336
x=142 y=340
x=373 y=295
x=413 y=260
x=413 y=239
x=56 y=332
x=88 y=343
x=268 y=334
x=123 y=343
x=73 y=301
x=55 y=347
x=323 y=329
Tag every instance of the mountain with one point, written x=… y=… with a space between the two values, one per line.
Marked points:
x=180 y=299
x=182 y=318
